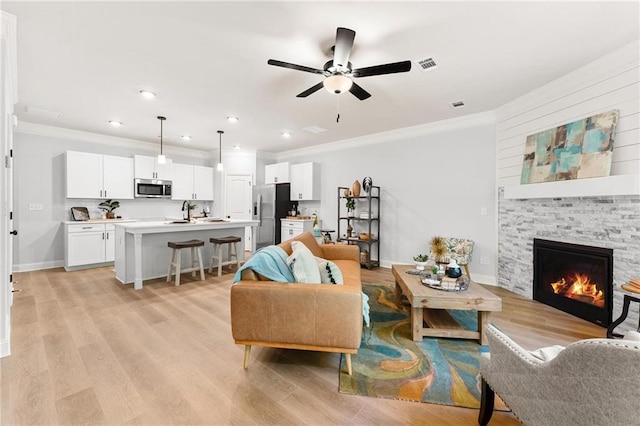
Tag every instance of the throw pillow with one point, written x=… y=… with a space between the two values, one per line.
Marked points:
x=632 y=335
x=329 y=272
x=303 y=264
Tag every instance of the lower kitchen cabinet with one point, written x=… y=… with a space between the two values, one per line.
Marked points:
x=88 y=244
x=292 y=227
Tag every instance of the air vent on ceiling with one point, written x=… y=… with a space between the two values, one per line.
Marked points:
x=427 y=64
x=314 y=129
x=457 y=104
x=42 y=112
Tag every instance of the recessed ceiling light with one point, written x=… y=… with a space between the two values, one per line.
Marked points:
x=147 y=94
x=115 y=123
x=286 y=134
x=232 y=119
x=236 y=147
x=186 y=137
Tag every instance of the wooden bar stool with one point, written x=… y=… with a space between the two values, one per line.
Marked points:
x=216 y=252
x=176 y=259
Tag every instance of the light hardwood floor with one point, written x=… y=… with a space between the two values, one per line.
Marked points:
x=88 y=350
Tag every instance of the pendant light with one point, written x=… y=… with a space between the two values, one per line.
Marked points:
x=161 y=158
x=220 y=166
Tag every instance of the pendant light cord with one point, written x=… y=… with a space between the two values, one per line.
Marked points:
x=220 y=132
x=161 y=122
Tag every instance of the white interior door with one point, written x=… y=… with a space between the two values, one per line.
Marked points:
x=8 y=97
x=238 y=206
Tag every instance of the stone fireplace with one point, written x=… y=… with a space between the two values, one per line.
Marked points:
x=574 y=278
x=610 y=222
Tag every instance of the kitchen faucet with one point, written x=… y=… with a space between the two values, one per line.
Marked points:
x=185 y=206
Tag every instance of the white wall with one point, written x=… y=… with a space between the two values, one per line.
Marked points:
x=434 y=180
x=611 y=82
x=39 y=178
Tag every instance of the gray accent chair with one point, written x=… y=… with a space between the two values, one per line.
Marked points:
x=590 y=382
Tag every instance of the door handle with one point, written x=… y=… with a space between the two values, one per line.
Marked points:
x=14 y=232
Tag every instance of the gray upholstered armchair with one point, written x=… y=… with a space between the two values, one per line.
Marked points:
x=590 y=382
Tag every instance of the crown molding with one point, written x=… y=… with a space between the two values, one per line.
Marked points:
x=401 y=134
x=29 y=128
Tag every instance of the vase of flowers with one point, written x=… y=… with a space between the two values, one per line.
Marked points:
x=351 y=206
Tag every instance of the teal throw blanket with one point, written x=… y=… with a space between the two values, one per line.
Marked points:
x=270 y=262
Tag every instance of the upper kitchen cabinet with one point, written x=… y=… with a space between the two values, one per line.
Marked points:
x=276 y=173
x=192 y=182
x=99 y=176
x=305 y=181
x=149 y=168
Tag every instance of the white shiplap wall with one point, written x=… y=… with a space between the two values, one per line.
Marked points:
x=611 y=82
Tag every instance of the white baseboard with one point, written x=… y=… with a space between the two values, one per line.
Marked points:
x=482 y=279
x=5 y=348
x=25 y=267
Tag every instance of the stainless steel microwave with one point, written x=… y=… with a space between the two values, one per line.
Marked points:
x=152 y=188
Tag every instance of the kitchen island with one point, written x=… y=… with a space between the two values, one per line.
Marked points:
x=142 y=252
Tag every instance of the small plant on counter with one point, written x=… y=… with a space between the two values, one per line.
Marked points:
x=109 y=206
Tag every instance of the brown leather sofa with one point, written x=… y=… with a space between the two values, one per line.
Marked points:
x=315 y=317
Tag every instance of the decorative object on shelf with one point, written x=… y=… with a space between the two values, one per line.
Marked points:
x=577 y=150
x=220 y=167
x=161 y=158
x=349 y=230
x=453 y=270
x=439 y=249
x=355 y=189
x=364 y=256
x=109 y=206
x=367 y=182
x=347 y=192
x=351 y=206
x=420 y=260
x=366 y=236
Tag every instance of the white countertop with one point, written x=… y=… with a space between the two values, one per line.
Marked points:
x=92 y=221
x=149 y=227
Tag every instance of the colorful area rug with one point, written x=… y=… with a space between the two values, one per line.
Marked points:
x=389 y=364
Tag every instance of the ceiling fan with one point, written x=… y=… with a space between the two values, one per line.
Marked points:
x=339 y=72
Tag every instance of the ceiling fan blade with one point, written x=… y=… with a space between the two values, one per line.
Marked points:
x=310 y=91
x=359 y=92
x=342 y=50
x=294 y=66
x=393 y=68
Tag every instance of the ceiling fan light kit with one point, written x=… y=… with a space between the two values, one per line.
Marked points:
x=339 y=72
x=337 y=83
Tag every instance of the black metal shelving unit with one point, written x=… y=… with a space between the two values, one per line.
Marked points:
x=368 y=225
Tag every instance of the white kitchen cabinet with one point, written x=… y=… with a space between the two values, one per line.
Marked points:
x=291 y=227
x=98 y=176
x=305 y=181
x=148 y=168
x=88 y=244
x=276 y=173
x=192 y=182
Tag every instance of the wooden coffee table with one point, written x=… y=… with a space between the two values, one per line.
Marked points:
x=429 y=306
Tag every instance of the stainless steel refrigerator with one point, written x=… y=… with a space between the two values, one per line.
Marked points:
x=271 y=203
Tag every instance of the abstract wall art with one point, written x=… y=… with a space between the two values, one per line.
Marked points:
x=577 y=150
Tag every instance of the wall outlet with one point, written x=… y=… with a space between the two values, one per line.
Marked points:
x=35 y=207
x=484 y=260
x=483 y=211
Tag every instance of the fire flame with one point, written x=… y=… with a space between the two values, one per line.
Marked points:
x=581 y=288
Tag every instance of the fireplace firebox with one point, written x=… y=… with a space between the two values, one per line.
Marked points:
x=574 y=278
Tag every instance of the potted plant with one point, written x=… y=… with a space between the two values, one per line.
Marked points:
x=420 y=260
x=351 y=206
x=109 y=206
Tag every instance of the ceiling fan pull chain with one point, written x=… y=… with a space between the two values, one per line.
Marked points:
x=338 y=108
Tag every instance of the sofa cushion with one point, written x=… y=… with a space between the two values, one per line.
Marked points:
x=308 y=240
x=329 y=272
x=303 y=264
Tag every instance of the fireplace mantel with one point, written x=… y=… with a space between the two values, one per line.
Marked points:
x=593 y=187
